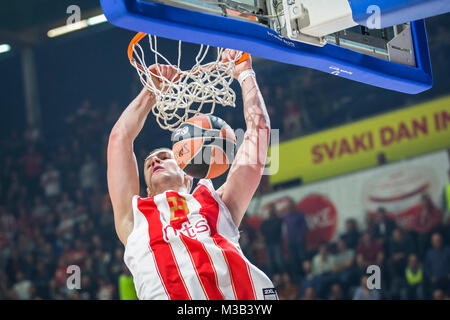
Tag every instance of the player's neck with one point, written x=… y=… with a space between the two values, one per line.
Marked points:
x=168 y=187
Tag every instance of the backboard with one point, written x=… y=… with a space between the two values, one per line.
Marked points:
x=347 y=38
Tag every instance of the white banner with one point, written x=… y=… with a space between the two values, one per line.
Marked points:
x=400 y=188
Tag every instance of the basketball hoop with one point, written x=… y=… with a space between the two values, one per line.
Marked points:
x=188 y=93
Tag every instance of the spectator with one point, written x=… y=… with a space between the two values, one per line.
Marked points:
x=78 y=254
x=105 y=290
x=399 y=247
x=14 y=187
x=65 y=205
x=65 y=230
x=277 y=280
x=336 y=292
x=32 y=162
x=48 y=257
x=88 y=173
x=427 y=221
x=63 y=159
x=4 y=286
x=5 y=252
x=371 y=225
x=55 y=291
x=22 y=287
x=439 y=294
x=309 y=294
x=88 y=288
x=40 y=210
x=430 y=216
x=296 y=228
x=351 y=235
x=29 y=266
x=369 y=252
x=41 y=280
x=271 y=231
x=60 y=274
x=437 y=263
x=286 y=289
x=343 y=264
x=50 y=181
x=7 y=223
x=309 y=280
x=384 y=226
x=364 y=293
x=322 y=264
x=33 y=293
x=414 y=288
x=101 y=260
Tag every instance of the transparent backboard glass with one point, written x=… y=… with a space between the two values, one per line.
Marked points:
x=372 y=42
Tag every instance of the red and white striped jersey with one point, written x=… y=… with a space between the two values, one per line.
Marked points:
x=185 y=246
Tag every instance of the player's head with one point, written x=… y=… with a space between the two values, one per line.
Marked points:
x=161 y=172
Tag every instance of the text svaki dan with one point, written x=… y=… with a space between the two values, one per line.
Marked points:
x=387 y=136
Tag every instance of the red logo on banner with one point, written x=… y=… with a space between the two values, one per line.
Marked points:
x=406 y=194
x=321 y=217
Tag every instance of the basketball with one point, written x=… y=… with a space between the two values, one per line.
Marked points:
x=204 y=146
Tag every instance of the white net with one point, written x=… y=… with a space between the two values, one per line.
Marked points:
x=191 y=92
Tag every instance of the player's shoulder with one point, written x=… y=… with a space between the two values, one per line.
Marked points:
x=205 y=185
x=205 y=182
x=136 y=199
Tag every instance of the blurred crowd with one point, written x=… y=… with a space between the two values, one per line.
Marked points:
x=412 y=265
x=55 y=210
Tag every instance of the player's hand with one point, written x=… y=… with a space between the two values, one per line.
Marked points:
x=230 y=55
x=161 y=72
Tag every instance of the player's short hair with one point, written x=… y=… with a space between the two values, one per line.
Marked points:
x=157 y=150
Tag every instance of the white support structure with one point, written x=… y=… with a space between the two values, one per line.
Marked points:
x=31 y=91
x=317 y=18
x=401 y=48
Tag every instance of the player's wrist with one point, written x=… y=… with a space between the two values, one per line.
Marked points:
x=247 y=73
x=147 y=97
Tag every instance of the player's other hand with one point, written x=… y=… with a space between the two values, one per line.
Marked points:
x=162 y=74
x=230 y=55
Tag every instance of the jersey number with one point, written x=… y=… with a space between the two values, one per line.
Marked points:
x=178 y=207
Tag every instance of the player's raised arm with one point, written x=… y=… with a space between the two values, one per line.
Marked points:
x=122 y=172
x=248 y=165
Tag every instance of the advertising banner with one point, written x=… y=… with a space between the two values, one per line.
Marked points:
x=411 y=192
x=394 y=136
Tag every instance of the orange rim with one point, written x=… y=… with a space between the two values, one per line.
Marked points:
x=138 y=37
x=244 y=57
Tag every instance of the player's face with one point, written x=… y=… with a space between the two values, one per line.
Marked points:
x=160 y=166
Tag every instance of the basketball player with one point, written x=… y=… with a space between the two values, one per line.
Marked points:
x=182 y=245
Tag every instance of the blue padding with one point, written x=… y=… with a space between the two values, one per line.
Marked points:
x=202 y=28
x=394 y=12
